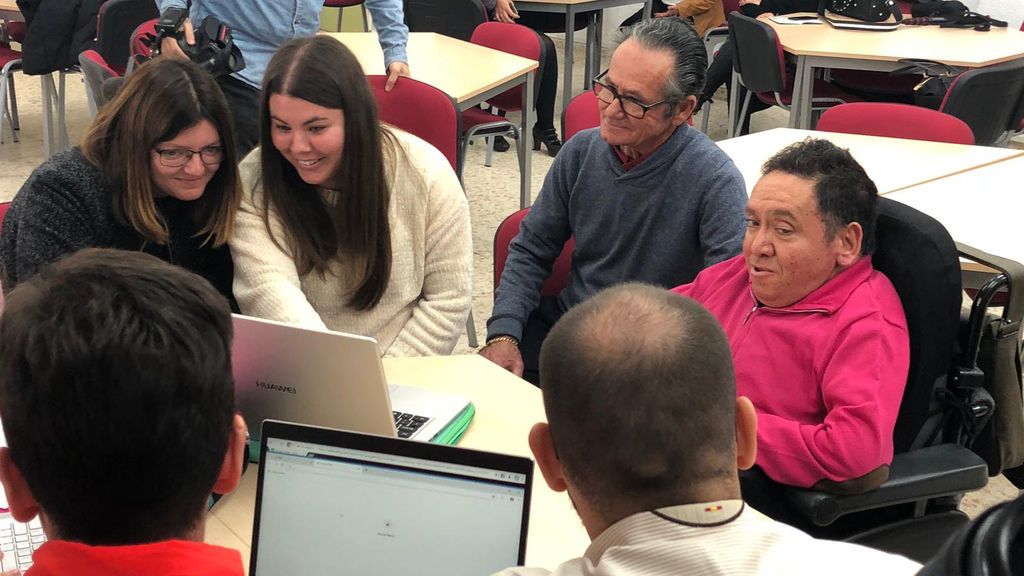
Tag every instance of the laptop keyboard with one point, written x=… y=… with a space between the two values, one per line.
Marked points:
x=408 y=424
x=18 y=541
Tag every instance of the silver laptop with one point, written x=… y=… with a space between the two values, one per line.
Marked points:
x=323 y=378
x=336 y=502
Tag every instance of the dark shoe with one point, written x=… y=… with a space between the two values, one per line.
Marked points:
x=550 y=139
x=500 y=144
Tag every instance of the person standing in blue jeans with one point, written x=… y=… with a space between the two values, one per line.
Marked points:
x=259 y=28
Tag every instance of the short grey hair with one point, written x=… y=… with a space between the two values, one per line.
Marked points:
x=677 y=36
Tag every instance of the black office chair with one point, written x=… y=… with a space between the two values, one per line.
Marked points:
x=989 y=100
x=915 y=511
x=455 y=18
x=117 y=20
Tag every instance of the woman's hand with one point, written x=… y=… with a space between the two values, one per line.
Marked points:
x=505 y=11
x=672 y=12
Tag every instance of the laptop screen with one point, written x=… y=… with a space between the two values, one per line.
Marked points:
x=341 y=509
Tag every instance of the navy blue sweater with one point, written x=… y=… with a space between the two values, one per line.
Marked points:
x=677 y=212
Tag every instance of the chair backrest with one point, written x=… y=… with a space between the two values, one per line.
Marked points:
x=988 y=99
x=513 y=39
x=920 y=258
x=757 y=54
x=730 y=6
x=140 y=46
x=96 y=72
x=582 y=113
x=423 y=111
x=16 y=31
x=118 y=19
x=895 y=121
x=455 y=18
x=509 y=229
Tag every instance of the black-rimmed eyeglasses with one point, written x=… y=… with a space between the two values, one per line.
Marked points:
x=177 y=157
x=631 y=106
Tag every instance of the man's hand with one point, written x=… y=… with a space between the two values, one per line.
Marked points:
x=765 y=15
x=169 y=46
x=506 y=355
x=395 y=70
x=505 y=11
x=754 y=2
x=672 y=12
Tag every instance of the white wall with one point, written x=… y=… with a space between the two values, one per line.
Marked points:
x=1010 y=10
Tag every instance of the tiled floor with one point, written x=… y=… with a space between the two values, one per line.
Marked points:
x=493 y=194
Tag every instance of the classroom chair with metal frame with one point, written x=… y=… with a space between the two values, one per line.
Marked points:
x=431 y=115
x=513 y=39
x=759 y=63
x=990 y=100
x=916 y=509
x=117 y=21
x=10 y=61
x=503 y=236
x=895 y=121
x=583 y=112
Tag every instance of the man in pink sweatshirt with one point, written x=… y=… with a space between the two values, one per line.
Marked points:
x=818 y=336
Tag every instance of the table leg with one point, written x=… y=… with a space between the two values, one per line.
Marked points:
x=46 y=86
x=62 y=126
x=598 y=33
x=795 y=109
x=806 y=96
x=526 y=138
x=734 y=105
x=588 y=63
x=570 y=20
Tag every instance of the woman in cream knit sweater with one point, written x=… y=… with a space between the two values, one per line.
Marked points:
x=345 y=224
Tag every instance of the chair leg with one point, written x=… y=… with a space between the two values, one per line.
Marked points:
x=489 y=158
x=14 y=106
x=366 y=20
x=61 y=111
x=471 y=330
x=743 y=114
x=3 y=108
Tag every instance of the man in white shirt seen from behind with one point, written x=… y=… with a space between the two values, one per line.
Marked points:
x=645 y=434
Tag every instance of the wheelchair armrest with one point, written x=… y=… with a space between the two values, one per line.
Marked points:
x=1013 y=271
x=932 y=472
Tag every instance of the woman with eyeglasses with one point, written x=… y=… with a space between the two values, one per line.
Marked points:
x=154 y=174
x=347 y=224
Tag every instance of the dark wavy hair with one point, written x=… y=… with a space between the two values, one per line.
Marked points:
x=354 y=222
x=157 y=102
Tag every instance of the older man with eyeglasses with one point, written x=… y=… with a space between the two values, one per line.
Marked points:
x=646 y=197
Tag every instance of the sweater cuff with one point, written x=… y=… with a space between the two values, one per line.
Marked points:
x=505 y=327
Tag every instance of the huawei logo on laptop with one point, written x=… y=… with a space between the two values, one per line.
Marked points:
x=276 y=387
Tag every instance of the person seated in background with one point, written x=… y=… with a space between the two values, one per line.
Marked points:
x=260 y=28
x=346 y=224
x=818 y=336
x=646 y=197
x=705 y=14
x=118 y=409
x=645 y=433
x=155 y=173
x=544 y=131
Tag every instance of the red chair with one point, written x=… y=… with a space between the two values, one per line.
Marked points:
x=96 y=71
x=509 y=229
x=115 y=25
x=423 y=111
x=582 y=113
x=896 y=121
x=514 y=39
x=431 y=115
x=10 y=60
x=342 y=4
x=760 y=61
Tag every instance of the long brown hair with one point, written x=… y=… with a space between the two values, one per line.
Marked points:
x=354 y=223
x=158 y=101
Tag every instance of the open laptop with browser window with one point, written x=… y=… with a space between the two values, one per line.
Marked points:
x=340 y=503
x=323 y=378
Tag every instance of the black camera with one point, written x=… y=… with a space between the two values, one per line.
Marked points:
x=214 y=50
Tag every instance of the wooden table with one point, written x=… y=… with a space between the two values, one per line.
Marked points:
x=980 y=207
x=469 y=73
x=593 y=52
x=892 y=163
x=9 y=10
x=827 y=47
x=506 y=409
